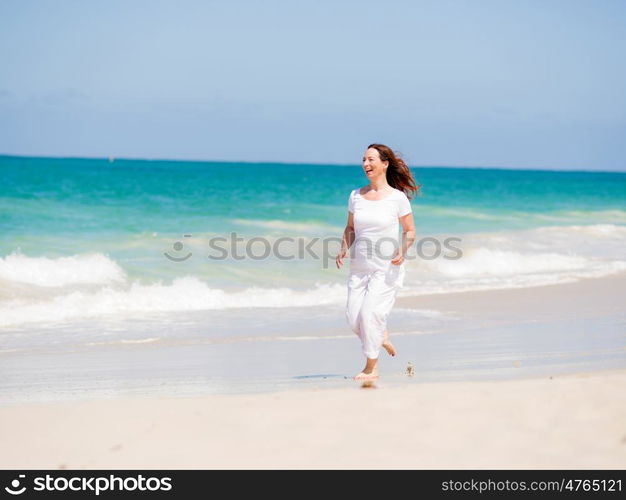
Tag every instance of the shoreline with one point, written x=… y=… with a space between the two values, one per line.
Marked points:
x=541 y=298
x=475 y=336
x=528 y=378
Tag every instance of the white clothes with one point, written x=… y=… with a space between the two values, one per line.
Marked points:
x=376 y=229
x=374 y=281
x=370 y=299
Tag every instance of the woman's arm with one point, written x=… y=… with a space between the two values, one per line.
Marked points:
x=408 y=237
x=346 y=242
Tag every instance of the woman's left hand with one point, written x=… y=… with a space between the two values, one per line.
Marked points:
x=398 y=259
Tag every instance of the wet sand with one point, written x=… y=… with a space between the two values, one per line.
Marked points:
x=525 y=378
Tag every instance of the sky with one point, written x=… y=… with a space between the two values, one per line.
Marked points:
x=502 y=83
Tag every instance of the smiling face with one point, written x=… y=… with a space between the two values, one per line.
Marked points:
x=373 y=166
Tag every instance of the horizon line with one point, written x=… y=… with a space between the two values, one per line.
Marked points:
x=112 y=159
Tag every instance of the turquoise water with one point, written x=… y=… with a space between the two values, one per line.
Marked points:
x=91 y=301
x=82 y=198
x=83 y=237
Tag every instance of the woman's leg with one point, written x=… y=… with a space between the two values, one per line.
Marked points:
x=391 y=350
x=357 y=288
x=357 y=291
x=375 y=309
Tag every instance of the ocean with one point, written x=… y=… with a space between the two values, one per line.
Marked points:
x=111 y=255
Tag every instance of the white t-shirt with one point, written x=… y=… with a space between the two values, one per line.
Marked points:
x=376 y=229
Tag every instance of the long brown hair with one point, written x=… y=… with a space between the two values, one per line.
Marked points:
x=398 y=174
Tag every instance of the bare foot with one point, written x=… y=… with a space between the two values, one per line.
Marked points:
x=370 y=372
x=391 y=350
x=366 y=376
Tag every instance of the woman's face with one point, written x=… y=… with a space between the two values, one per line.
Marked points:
x=373 y=166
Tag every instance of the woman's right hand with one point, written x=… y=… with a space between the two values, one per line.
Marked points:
x=340 y=257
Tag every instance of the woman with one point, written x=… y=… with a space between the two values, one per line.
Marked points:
x=377 y=259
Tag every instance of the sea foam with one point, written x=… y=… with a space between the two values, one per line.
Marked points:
x=60 y=271
x=183 y=294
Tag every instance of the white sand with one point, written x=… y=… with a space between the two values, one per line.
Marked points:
x=570 y=422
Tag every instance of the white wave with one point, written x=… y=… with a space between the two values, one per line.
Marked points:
x=523 y=258
x=41 y=289
x=490 y=262
x=55 y=272
x=613 y=215
x=184 y=294
x=597 y=230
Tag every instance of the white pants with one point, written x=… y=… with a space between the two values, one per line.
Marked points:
x=370 y=299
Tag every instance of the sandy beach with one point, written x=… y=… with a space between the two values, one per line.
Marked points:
x=574 y=421
x=570 y=418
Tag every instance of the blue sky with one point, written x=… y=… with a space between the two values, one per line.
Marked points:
x=525 y=84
